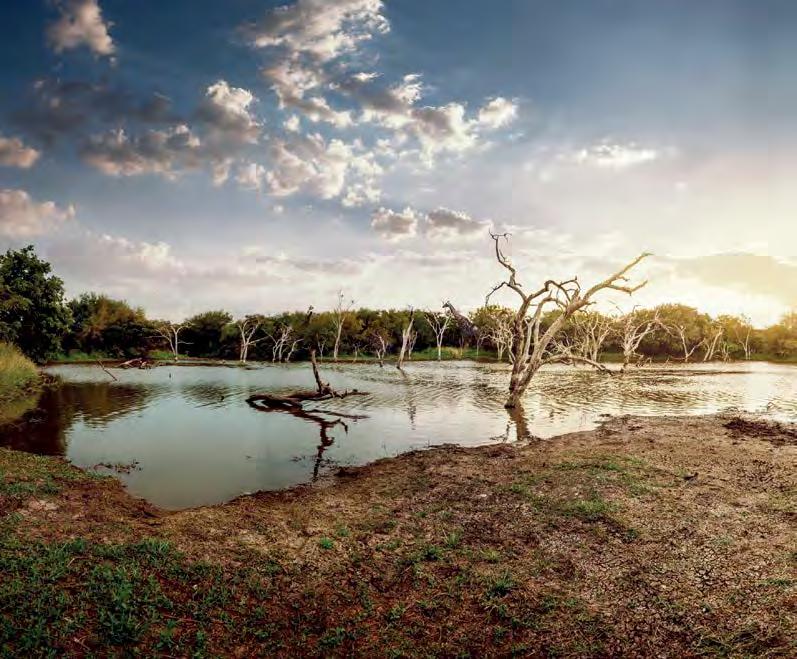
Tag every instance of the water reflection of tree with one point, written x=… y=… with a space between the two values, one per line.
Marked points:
x=43 y=428
x=319 y=417
x=518 y=421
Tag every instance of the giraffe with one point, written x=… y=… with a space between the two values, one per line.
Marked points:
x=467 y=329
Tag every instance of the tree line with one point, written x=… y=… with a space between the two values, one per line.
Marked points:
x=35 y=316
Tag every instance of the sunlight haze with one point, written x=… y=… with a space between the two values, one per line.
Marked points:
x=239 y=154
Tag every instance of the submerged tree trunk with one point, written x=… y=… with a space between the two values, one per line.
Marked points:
x=534 y=347
x=406 y=335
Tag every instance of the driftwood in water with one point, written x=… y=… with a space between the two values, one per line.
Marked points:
x=138 y=362
x=102 y=366
x=292 y=404
x=293 y=401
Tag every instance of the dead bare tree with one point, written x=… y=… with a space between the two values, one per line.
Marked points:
x=438 y=323
x=247 y=328
x=411 y=344
x=170 y=332
x=743 y=333
x=711 y=343
x=292 y=349
x=682 y=333
x=633 y=328
x=340 y=313
x=406 y=334
x=380 y=344
x=533 y=346
x=501 y=333
x=280 y=342
x=591 y=331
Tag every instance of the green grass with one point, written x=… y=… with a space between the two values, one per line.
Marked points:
x=771 y=357
x=18 y=374
x=24 y=476
x=123 y=593
x=593 y=509
x=79 y=357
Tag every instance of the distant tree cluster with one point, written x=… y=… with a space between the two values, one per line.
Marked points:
x=35 y=316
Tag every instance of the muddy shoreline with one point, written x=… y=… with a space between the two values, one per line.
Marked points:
x=674 y=536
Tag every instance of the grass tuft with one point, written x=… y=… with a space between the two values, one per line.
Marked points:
x=17 y=372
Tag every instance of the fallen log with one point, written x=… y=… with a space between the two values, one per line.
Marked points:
x=294 y=400
x=102 y=366
x=297 y=398
x=137 y=362
x=292 y=403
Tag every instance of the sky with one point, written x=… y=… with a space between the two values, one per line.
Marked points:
x=259 y=156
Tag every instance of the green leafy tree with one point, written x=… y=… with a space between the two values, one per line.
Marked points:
x=111 y=327
x=204 y=334
x=33 y=314
x=781 y=339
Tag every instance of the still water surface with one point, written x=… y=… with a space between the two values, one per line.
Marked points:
x=189 y=438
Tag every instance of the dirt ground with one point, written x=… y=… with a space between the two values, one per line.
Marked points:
x=665 y=537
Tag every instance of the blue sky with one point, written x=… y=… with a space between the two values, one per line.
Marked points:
x=260 y=155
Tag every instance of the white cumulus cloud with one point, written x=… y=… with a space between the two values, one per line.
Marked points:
x=395 y=225
x=14 y=153
x=446 y=223
x=80 y=24
x=321 y=29
x=226 y=111
x=311 y=164
x=497 y=113
x=23 y=217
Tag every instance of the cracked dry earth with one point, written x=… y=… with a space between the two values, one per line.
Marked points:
x=666 y=537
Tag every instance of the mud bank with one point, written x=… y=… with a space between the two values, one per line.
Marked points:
x=665 y=536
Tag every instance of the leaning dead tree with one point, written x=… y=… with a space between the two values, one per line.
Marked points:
x=438 y=323
x=634 y=327
x=170 y=332
x=406 y=338
x=534 y=345
x=712 y=342
x=247 y=328
x=682 y=333
x=339 y=315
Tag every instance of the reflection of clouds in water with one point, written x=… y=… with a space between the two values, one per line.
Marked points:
x=43 y=429
x=197 y=442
